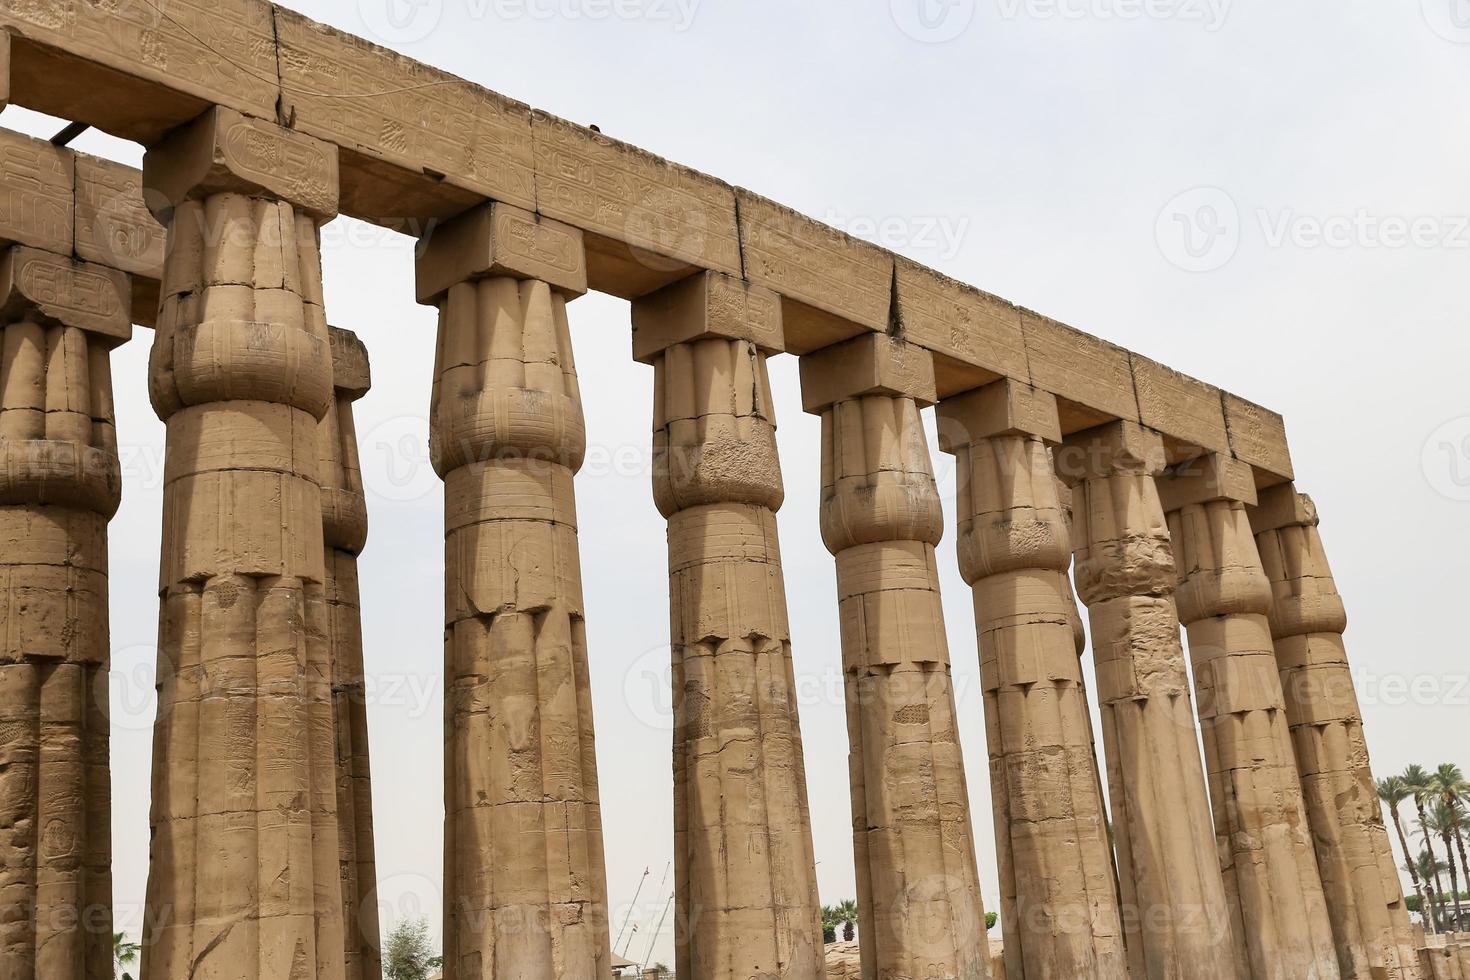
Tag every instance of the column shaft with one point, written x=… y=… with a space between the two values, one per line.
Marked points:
x=1364 y=896
x=919 y=903
x=1059 y=908
x=59 y=486
x=525 y=887
x=344 y=532
x=243 y=881
x=743 y=865
x=1175 y=912
x=1269 y=868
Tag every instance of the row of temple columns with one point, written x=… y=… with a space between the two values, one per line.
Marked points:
x=1264 y=857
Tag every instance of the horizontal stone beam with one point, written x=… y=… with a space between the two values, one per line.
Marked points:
x=418 y=146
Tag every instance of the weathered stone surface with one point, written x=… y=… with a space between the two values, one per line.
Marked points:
x=244 y=879
x=1094 y=377
x=976 y=337
x=739 y=777
x=1258 y=436
x=833 y=286
x=919 y=902
x=1261 y=832
x=417 y=142
x=1175 y=912
x=708 y=304
x=51 y=288
x=224 y=151
x=37 y=206
x=650 y=222
x=137 y=70
x=525 y=890
x=1190 y=411
x=344 y=532
x=497 y=240
x=1059 y=908
x=1364 y=897
x=871 y=364
x=59 y=485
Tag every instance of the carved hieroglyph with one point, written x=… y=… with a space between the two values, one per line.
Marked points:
x=244 y=876
x=743 y=866
x=1307 y=619
x=1058 y=890
x=525 y=890
x=59 y=486
x=1175 y=914
x=1261 y=832
x=344 y=532
x=919 y=903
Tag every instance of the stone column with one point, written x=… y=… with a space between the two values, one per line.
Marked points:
x=1261 y=833
x=1175 y=914
x=525 y=892
x=1364 y=896
x=920 y=910
x=744 y=874
x=1059 y=903
x=59 y=486
x=344 y=532
x=243 y=881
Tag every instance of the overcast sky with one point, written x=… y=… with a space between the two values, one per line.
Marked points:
x=1269 y=196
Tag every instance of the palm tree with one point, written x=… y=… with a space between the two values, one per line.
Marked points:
x=830 y=922
x=847 y=914
x=1441 y=821
x=1454 y=790
x=1427 y=867
x=1393 y=792
x=1421 y=787
x=123 y=952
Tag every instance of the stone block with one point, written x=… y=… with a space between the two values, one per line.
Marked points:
x=1189 y=411
x=1005 y=407
x=1258 y=436
x=833 y=286
x=65 y=290
x=500 y=240
x=36 y=202
x=649 y=222
x=1214 y=477
x=705 y=305
x=416 y=142
x=976 y=337
x=870 y=364
x=1094 y=378
x=137 y=70
x=225 y=151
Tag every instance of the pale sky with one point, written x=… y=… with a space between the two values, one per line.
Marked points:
x=1269 y=196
